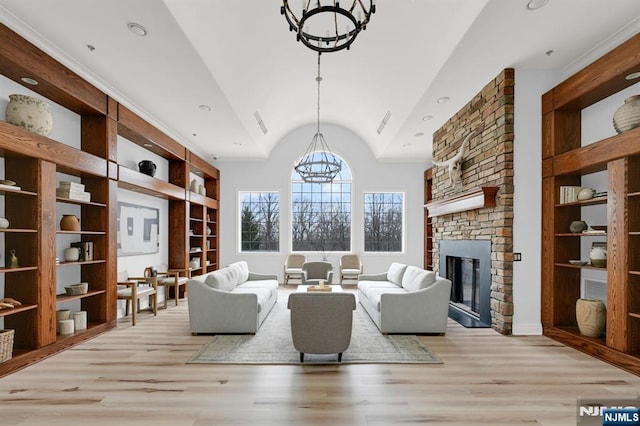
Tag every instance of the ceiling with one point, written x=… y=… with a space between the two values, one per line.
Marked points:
x=238 y=57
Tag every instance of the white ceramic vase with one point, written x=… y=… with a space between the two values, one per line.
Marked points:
x=4 y=222
x=598 y=257
x=627 y=117
x=72 y=254
x=30 y=113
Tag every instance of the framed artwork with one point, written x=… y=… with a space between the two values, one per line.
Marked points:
x=138 y=229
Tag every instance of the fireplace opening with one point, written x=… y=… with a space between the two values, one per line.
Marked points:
x=467 y=263
x=464 y=275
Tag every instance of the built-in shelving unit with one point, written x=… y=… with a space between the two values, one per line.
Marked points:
x=37 y=163
x=428 y=222
x=566 y=162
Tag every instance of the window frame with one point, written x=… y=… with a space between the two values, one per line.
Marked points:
x=239 y=195
x=403 y=222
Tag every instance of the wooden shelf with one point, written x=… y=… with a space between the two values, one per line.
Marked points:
x=5 y=312
x=569 y=265
x=136 y=181
x=85 y=262
x=79 y=202
x=81 y=232
x=60 y=298
x=590 y=202
x=475 y=199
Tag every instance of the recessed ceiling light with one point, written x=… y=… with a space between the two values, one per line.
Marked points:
x=443 y=100
x=147 y=145
x=419 y=134
x=137 y=29
x=29 y=80
x=536 y=4
x=427 y=117
x=194 y=134
x=633 y=76
x=205 y=107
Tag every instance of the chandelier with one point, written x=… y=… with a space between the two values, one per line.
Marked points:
x=318 y=164
x=324 y=26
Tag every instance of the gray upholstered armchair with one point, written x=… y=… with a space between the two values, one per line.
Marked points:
x=321 y=322
x=313 y=272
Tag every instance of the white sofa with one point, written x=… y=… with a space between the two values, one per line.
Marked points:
x=230 y=300
x=406 y=299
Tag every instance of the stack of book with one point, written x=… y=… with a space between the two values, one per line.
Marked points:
x=569 y=193
x=72 y=191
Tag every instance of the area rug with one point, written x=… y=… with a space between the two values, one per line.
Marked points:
x=272 y=344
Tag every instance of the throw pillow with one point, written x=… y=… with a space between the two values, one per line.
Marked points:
x=395 y=272
x=224 y=279
x=415 y=278
x=243 y=268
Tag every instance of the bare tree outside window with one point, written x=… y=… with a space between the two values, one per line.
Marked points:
x=383 y=219
x=321 y=213
x=260 y=221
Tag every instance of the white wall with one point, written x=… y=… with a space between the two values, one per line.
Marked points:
x=274 y=175
x=527 y=159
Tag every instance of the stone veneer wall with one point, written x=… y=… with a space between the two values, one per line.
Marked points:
x=488 y=161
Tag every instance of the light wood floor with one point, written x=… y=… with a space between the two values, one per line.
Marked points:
x=138 y=376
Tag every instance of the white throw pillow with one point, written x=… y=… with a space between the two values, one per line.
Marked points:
x=415 y=278
x=244 y=271
x=395 y=272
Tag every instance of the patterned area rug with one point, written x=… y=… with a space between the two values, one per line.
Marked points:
x=272 y=345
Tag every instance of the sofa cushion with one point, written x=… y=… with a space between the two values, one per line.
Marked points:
x=272 y=284
x=378 y=284
x=415 y=278
x=374 y=294
x=224 y=279
x=264 y=294
x=395 y=272
x=244 y=271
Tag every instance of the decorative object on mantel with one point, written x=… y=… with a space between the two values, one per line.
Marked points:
x=591 y=315
x=318 y=164
x=578 y=226
x=454 y=164
x=69 y=222
x=147 y=167
x=341 y=27
x=627 y=117
x=474 y=199
x=30 y=113
x=598 y=254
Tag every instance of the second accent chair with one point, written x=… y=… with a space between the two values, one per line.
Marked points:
x=314 y=272
x=293 y=267
x=132 y=289
x=350 y=267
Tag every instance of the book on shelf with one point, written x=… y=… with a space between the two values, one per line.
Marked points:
x=569 y=193
x=73 y=194
x=73 y=186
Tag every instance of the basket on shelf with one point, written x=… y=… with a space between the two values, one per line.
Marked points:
x=6 y=344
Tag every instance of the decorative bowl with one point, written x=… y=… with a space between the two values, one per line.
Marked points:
x=578 y=262
x=76 y=289
x=7 y=182
x=599 y=227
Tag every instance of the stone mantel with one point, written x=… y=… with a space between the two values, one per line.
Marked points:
x=477 y=198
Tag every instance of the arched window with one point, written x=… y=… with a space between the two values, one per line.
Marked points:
x=321 y=213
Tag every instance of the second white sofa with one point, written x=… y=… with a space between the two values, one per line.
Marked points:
x=406 y=299
x=230 y=300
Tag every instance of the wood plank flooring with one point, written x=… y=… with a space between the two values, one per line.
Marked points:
x=138 y=376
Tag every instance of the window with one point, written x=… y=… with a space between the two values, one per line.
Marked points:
x=321 y=213
x=260 y=221
x=383 y=221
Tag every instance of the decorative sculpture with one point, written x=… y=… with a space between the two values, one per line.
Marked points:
x=454 y=164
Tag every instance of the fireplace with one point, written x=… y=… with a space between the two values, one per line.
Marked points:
x=467 y=263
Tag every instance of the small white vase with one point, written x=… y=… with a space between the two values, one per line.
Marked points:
x=4 y=222
x=598 y=257
x=30 y=113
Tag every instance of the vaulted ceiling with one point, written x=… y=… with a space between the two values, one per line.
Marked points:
x=238 y=58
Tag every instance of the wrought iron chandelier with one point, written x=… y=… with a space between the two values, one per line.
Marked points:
x=318 y=164
x=324 y=26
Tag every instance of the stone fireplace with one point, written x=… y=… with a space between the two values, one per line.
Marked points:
x=487 y=161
